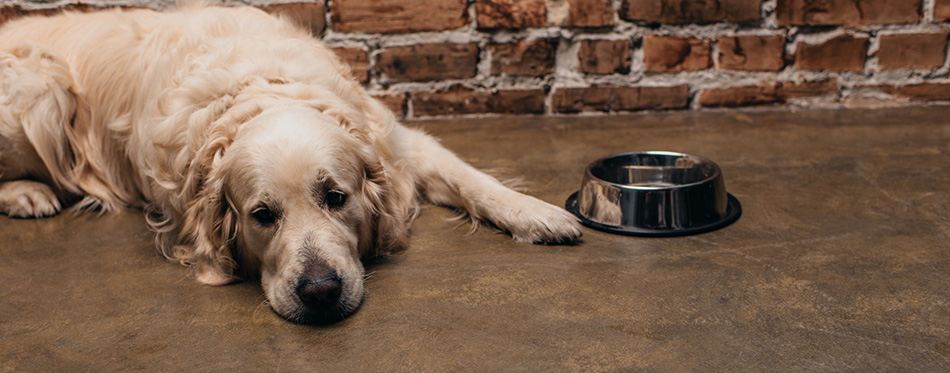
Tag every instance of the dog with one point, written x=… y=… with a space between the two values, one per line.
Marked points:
x=250 y=147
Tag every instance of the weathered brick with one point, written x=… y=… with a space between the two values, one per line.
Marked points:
x=610 y=98
x=590 y=13
x=605 y=56
x=888 y=89
x=649 y=98
x=517 y=101
x=846 y=12
x=752 y=53
x=842 y=53
x=941 y=10
x=675 y=54
x=825 y=87
x=524 y=58
x=310 y=16
x=926 y=91
x=9 y=13
x=357 y=60
x=395 y=102
x=510 y=14
x=453 y=101
x=576 y=100
x=398 y=16
x=459 y=100
x=912 y=51
x=741 y=96
x=691 y=11
x=934 y=91
x=422 y=62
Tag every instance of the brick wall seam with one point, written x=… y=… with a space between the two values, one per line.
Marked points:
x=874 y=44
x=927 y=10
x=714 y=55
x=557 y=11
x=769 y=18
x=946 y=60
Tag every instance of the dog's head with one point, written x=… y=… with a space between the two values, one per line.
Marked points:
x=299 y=197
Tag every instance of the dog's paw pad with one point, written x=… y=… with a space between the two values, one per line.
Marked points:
x=28 y=199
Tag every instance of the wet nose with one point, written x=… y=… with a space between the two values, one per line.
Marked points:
x=319 y=286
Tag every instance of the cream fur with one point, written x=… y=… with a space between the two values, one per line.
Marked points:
x=213 y=118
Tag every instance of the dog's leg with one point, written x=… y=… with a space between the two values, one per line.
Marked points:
x=27 y=199
x=447 y=180
x=36 y=105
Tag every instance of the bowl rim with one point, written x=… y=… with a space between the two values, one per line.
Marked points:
x=733 y=212
x=717 y=171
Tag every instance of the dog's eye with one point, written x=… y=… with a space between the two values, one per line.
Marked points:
x=264 y=216
x=335 y=200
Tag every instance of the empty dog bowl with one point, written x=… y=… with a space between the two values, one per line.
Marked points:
x=654 y=194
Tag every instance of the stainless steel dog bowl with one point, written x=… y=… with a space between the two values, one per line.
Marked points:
x=654 y=194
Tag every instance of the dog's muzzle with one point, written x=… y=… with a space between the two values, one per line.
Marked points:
x=319 y=291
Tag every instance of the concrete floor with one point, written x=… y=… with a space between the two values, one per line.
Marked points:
x=841 y=261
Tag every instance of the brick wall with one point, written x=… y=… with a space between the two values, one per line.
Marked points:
x=471 y=57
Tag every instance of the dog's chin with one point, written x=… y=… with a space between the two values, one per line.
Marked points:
x=322 y=315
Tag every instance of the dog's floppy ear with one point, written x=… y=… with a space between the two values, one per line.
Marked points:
x=215 y=231
x=392 y=208
x=209 y=223
x=208 y=230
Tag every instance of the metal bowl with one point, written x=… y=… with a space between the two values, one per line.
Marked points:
x=654 y=194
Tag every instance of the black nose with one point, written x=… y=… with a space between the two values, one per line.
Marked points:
x=319 y=287
x=322 y=292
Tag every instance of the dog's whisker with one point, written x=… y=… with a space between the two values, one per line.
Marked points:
x=260 y=305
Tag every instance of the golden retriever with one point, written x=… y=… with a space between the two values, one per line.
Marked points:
x=247 y=142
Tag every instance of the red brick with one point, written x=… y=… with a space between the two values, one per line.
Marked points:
x=357 y=60
x=454 y=101
x=649 y=98
x=510 y=14
x=590 y=13
x=459 y=100
x=423 y=62
x=752 y=53
x=926 y=91
x=310 y=16
x=9 y=13
x=846 y=12
x=912 y=51
x=609 y=98
x=398 y=16
x=941 y=10
x=517 y=101
x=675 y=54
x=395 y=102
x=605 y=56
x=691 y=11
x=740 y=96
x=888 y=89
x=816 y=88
x=524 y=58
x=843 y=53
x=575 y=100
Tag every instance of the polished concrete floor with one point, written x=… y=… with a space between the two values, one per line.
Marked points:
x=841 y=261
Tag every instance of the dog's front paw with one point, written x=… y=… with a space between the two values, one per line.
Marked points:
x=538 y=222
x=28 y=199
